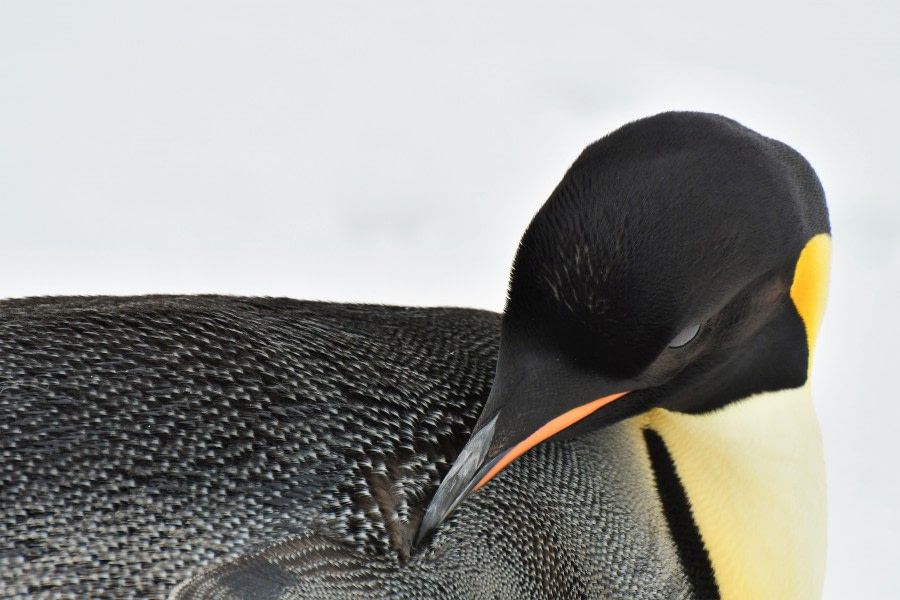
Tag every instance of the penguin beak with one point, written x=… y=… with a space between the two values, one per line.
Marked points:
x=471 y=466
x=485 y=455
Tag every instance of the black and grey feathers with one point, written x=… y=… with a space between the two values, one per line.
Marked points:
x=145 y=437
x=293 y=446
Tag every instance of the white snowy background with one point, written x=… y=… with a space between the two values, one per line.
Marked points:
x=395 y=152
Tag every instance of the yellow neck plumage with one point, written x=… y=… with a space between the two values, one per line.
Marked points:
x=755 y=480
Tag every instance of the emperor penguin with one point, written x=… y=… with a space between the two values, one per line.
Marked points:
x=636 y=424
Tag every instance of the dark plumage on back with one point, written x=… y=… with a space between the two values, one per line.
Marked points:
x=144 y=439
x=141 y=434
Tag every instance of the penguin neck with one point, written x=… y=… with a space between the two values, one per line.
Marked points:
x=753 y=475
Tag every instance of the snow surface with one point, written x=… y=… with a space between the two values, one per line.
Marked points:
x=395 y=153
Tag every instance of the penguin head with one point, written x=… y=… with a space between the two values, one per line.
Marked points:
x=680 y=263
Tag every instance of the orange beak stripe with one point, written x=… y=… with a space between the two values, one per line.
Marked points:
x=552 y=428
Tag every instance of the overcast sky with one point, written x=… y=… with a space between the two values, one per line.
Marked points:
x=395 y=152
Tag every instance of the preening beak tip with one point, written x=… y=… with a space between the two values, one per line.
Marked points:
x=463 y=476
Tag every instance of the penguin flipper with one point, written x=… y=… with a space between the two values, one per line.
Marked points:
x=309 y=566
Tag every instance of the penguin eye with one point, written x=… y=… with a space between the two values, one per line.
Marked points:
x=687 y=335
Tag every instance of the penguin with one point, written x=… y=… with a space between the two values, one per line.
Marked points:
x=636 y=424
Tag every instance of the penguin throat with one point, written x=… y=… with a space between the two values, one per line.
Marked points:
x=754 y=479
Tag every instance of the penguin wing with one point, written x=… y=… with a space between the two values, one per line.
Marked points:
x=303 y=567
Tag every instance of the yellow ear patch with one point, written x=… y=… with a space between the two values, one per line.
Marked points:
x=810 y=286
